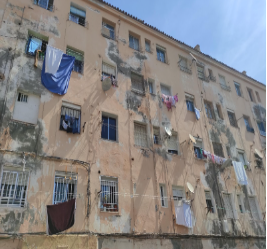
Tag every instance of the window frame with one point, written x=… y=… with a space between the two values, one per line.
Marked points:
x=163 y=195
x=184 y=67
x=81 y=19
x=201 y=72
x=103 y=73
x=156 y=135
x=162 y=86
x=248 y=125
x=240 y=203
x=238 y=89
x=149 y=44
x=136 y=83
x=169 y=148
x=243 y=154
x=177 y=198
x=141 y=144
x=135 y=38
x=232 y=120
x=258 y=96
x=152 y=83
x=50 y=6
x=198 y=148
x=251 y=95
x=114 y=117
x=161 y=51
x=71 y=51
x=190 y=102
x=219 y=111
x=228 y=216
x=44 y=39
x=211 y=109
x=212 y=207
x=263 y=124
x=109 y=26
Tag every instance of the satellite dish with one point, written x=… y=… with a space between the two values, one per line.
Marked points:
x=106 y=84
x=258 y=153
x=168 y=131
x=190 y=187
x=227 y=162
x=194 y=58
x=192 y=139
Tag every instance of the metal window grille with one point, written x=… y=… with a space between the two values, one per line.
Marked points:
x=232 y=119
x=209 y=202
x=253 y=208
x=165 y=90
x=237 y=88
x=240 y=204
x=200 y=72
x=46 y=4
x=109 y=195
x=140 y=135
x=137 y=82
x=209 y=110
x=134 y=42
x=108 y=70
x=22 y=98
x=14 y=188
x=77 y=15
x=65 y=187
x=156 y=135
x=108 y=31
x=228 y=206
x=74 y=114
x=161 y=55
x=147 y=45
x=163 y=198
x=172 y=144
x=218 y=150
x=79 y=60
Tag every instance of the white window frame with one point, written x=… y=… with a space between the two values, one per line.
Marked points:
x=136 y=42
x=163 y=50
x=14 y=171
x=167 y=88
x=109 y=181
x=163 y=195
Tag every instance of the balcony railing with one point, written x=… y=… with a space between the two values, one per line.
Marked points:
x=185 y=69
x=225 y=87
x=44 y=4
x=250 y=129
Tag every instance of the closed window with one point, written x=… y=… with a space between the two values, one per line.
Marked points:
x=198 y=148
x=14 y=185
x=65 y=187
x=218 y=150
x=253 y=207
x=219 y=111
x=178 y=194
x=209 y=110
x=46 y=4
x=190 y=102
x=261 y=127
x=36 y=44
x=156 y=135
x=109 y=128
x=108 y=30
x=237 y=88
x=163 y=196
x=147 y=44
x=173 y=144
x=228 y=206
x=161 y=54
x=26 y=108
x=140 y=135
x=79 y=58
x=165 y=90
x=151 y=86
x=248 y=124
x=232 y=118
x=209 y=202
x=258 y=96
x=77 y=15
x=134 y=42
x=251 y=96
x=70 y=118
x=240 y=204
x=200 y=72
x=109 y=194
x=137 y=82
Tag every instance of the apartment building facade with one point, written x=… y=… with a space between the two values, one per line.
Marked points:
x=134 y=154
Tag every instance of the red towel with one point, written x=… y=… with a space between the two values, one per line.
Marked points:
x=60 y=216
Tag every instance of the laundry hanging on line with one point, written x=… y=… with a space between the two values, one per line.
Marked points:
x=169 y=101
x=71 y=124
x=53 y=59
x=183 y=214
x=240 y=173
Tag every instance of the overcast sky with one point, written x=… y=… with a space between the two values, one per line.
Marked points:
x=231 y=31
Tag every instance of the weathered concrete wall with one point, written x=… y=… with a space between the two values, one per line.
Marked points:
x=139 y=172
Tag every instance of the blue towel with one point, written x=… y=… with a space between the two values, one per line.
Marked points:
x=197 y=112
x=59 y=82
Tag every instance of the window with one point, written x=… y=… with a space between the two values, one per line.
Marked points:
x=140 y=135
x=134 y=42
x=46 y=4
x=218 y=150
x=156 y=135
x=151 y=84
x=77 y=15
x=26 y=108
x=161 y=54
x=108 y=70
x=172 y=144
x=108 y=30
x=165 y=90
x=14 y=185
x=253 y=207
x=190 y=102
x=258 y=161
x=223 y=83
x=198 y=148
x=137 y=83
x=147 y=44
x=232 y=118
x=240 y=204
x=183 y=64
x=211 y=76
x=228 y=151
x=200 y=72
x=65 y=187
x=209 y=110
x=109 y=194
x=178 y=194
x=70 y=118
x=258 y=96
x=109 y=128
x=251 y=96
x=36 y=43
x=228 y=206
x=219 y=111
x=78 y=63
x=163 y=196
x=237 y=88
x=248 y=124
x=261 y=127
x=209 y=202
x=241 y=157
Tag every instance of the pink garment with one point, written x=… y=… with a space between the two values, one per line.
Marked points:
x=212 y=158
x=175 y=98
x=164 y=98
x=169 y=104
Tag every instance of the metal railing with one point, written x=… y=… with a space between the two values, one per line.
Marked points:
x=109 y=196
x=44 y=4
x=79 y=20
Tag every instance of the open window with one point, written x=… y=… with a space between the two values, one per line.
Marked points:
x=151 y=86
x=219 y=111
x=251 y=95
x=190 y=102
x=163 y=195
x=209 y=202
x=198 y=147
x=156 y=135
x=109 y=127
x=26 y=108
x=178 y=194
x=77 y=14
x=65 y=186
x=70 y=119
x=258 y=96
x=109 y=71
x=165 y=89
x=237 y=89
x=258 y=161
x=173 y=144
x=148 y=46
x=232 y=118
x=161 y=54
x=184 y=64
x=109 y=194
x=248 y=124
x=46 y=4
x=108 y=29
x=79 y=59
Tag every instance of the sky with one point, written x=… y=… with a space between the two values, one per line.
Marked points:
x=231 y=31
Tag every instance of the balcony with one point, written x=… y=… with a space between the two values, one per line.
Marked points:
x=225 y=87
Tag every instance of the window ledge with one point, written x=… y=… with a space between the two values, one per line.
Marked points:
x=153 y=94
x=22 y=122
x=164 y=62
x=112 y=212
x=135 y=49
x=138 y=92
x=108 y=37
x=201 y=159
x=108 y=140
x=70 y=132
x=186 y=70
